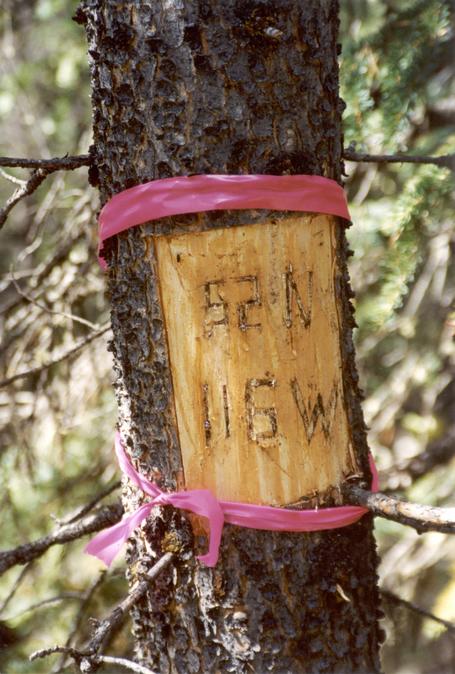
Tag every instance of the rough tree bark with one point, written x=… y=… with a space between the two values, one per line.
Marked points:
x=227 y=86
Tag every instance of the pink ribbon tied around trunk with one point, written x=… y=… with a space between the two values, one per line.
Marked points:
x=108 y=543
x=195 y=194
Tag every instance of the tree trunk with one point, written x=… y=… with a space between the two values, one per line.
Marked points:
x=226 y=86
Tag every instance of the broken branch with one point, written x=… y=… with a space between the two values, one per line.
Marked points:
x=87 y=659
x=420 y=517
x=67 y=163
x=445 y=161
x=117 y=616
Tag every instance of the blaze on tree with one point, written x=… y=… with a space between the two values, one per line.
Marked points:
x=227 y=86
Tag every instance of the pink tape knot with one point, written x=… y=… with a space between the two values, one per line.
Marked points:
x=107 y=544
x=194 y=194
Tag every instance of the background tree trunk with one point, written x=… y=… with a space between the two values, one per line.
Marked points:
x=227 y=86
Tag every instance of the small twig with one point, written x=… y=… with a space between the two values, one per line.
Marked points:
x=64 y=355
x=73 y=652
x=16 y=585
x=6 y=279
x=12 y=179
x=67 y=163
x=396 y=599
x=42 y=168
x=78 y=620
x=127 y=664
x=89 y=663
x=89 y=506
x=445 y=161
x=88 y=657
x=53 y=312
x=25 y=190
x=101 y=519
x=45 y=268
x=47 y=602
x=420 y=517
x=117 y=616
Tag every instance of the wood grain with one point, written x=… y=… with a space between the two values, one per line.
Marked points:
x=253 y=337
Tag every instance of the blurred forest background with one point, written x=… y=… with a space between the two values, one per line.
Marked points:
x=57 y=423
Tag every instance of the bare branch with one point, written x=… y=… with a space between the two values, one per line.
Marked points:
x=445 y=161
x=101 y=519
x=45 y=268
x=60 y=665
x=118 y=615
x=87 y=659
x=12 y=179
x=45 y=652
x=48 y=602
x=89 y=506
x=16 y=586
x=396 y=599
x=87 y=663
x=7 y=278
x=42 y=168
x=67 y=163
x=63 y=355
x=25 y=190
x=420 y=517
x=53 y=312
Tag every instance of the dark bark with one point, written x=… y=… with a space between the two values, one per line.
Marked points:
x=226 y=86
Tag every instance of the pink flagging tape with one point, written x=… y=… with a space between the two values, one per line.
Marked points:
x=108 y=543
x=195 y=194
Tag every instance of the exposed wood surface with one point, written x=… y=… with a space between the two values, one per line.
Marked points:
x=253 y=335
x=416 y=515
